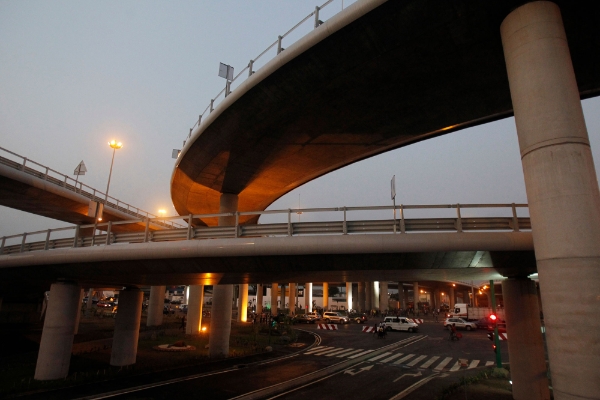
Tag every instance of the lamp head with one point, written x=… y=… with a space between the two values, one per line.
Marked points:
x=115 y=145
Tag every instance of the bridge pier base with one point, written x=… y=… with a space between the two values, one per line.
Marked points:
x=274 y=290
x=220 y=320
x=562 y=192
x=384 y=299
x=156 y=304
x=292 y=299
x=54 y=356
x=194 y=312
x=308 y=298
x=259 y=299
x=127 y=327
x=525 y=344
x=243 y=305
x=349 y=296
x=361 y=297
x=325 y=296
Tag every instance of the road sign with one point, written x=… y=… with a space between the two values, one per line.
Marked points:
x=393 y=184
x=226 y=71
x=80 y=169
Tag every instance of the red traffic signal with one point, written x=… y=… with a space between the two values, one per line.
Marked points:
x=495 y=350
x=493 y=317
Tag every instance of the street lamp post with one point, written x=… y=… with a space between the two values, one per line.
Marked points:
x=115 y=145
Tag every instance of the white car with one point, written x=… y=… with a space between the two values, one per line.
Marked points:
x=336 y=317
x=400 y=324
x=459 y=323
x=314 y=315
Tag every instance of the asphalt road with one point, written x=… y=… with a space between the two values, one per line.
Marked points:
x=346 y=363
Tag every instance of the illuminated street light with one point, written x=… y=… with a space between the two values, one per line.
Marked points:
x=115 y=145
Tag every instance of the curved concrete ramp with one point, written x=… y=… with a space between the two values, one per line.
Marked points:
x=378 y=76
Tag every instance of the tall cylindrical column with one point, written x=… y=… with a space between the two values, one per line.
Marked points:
x=562 y=192
x=54 y=356
x=308 y=299
x=90 y=302
x=194 y=313
x=384 y=299
x=369 y=296
x=292 y=299
x=78 y=318
x=452 y=299
x=349 y=296
x=259 y=299
x=325 y=296
x=274 y=294
x=361 y=297
x=127 y=327
x=243 y=306
x=220 y=324
x=156 y=303
x=526 y=344
x=375 y=294
x=416 y=295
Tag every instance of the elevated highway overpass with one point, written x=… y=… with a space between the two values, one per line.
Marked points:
x=377 y=76
x=35 y=188
x=347 y=250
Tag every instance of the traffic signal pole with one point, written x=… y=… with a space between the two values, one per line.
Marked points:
x=496 y=338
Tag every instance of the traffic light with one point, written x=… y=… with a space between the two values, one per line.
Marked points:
x=494 y=318
x=495 y=349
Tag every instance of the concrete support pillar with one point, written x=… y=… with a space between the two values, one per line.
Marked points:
x=54 y=356
x=243 y=304
x=220 y=324
x=292 y=299
x=325 y=296
x=362 y=306
x=562 y=192
x=384 y=298
x=416 y=295
x=526 y=344
x=452 y=300
x=349 y=296
x=274 y=293
x=437 y=297
x=376 y=292
x=488 y=293
x=259 y=299
x=194 y=313
x=369 y=296
x=79 y=310
x=308 y=297
x=156 y=303
x=127 y=327
x=90 y=302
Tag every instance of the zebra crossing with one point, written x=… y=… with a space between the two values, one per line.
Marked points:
x=423 y=361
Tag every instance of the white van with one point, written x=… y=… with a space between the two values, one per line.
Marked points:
x=400 y=324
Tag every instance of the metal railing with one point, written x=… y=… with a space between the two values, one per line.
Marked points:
x=343 y=226
x=50 y=175
x=250 y=67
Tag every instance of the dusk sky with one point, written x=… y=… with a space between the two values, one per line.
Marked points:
x=76 y=74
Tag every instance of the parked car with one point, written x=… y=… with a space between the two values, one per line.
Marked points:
x=359 y=318
x=400 y=324
x=105 y=304
x=486 y=323
x=335 y=317
x=315 y=315
x=460 y=323
x=303 y=319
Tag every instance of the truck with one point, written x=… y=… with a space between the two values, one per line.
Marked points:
x=465 y=311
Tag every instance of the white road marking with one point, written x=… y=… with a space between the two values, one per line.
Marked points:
x=360 y=354
x=408 y=357
x=416 y=360
x=338 y=352
x=392 y=357
x=351 y=352
x=428 y=363
x=473 y=364
x=380 y=356
x=455 y=367
x=441 y=365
